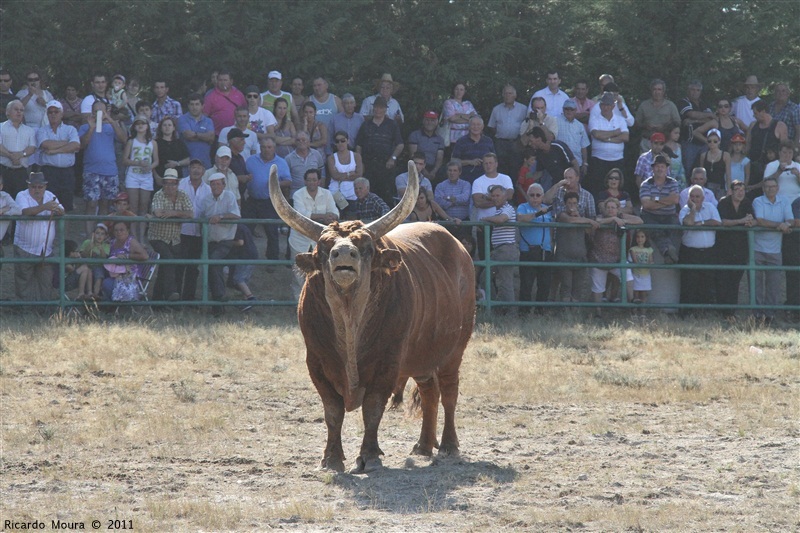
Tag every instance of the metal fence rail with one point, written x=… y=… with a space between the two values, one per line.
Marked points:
x=60 y=262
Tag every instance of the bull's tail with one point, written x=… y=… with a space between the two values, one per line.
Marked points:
x=397 y=393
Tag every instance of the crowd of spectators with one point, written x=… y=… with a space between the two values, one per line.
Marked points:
x=559 y=157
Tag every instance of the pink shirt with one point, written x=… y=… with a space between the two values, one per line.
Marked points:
x=220 y=108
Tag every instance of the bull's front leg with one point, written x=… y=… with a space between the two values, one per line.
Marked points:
x=372 y=409
x=333 y=456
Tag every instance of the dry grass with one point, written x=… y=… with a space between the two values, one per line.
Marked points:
x=186 y=424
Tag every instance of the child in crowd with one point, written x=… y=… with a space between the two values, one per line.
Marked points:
x=117 y=94
x=740 y=163
x=244 y=247
x=525 y=177
x=71 y=275
x=144 y=109
x=122 y=207
x=141 y=157
x=641 y=254
x=91 y=276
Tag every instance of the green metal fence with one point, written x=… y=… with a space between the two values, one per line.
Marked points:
x=60 y=262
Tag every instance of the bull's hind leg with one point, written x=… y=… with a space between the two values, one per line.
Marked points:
x=429 y=396
x=448 y=383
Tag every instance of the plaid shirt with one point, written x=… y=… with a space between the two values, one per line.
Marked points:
x=169 y=232
x=370 y=208
x=170 y=108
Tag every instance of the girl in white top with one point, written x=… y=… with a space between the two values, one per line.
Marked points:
x=141 y=157
x=344 y=166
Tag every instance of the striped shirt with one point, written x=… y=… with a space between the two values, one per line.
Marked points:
x=504 y=234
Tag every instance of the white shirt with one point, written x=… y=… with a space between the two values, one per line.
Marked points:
x=742 y=109
x=307 y=206
x=224 y=204
x=629 y=118
x=32 y=235
x=261 y=120
x=602 y=149
x=699 y=239
x=788 y=183
x=251 y=146
x=35 y=114
x=555 y=102
x=196 y=196
x=708 y=197
x=15 y=140
x=6 y=202
x=481 y=186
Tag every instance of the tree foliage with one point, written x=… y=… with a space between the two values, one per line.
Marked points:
x=426 y=45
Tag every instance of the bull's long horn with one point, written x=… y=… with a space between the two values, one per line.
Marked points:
x=387 y=222
x=297 y=221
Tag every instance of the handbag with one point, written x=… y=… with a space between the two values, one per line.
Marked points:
x=443 y=130
x=126 y=289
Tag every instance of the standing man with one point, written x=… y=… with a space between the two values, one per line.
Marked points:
x=538 y=118
x=316 y=203
x=58 y=143
x=219 y=206
x=485 y=203
x=504 y=123
x=609 y=134
x=99 y=87
x=552 y=158
x=258 y=204
x=453 y=194
x=572 y=133
x=553 y=96
x=380 y=144
x=34 y=97
x=763 y=136
x=165 y=237
x=743 y=106
x=220 y=106
x=536 y=246
x=34 y=239
x=620 y=107
x=302 y=159
x=583 y=103
x=347 y=121
x=273 y=92
x=197 y=131
x=242 y=124
x=659 y=195
x=6 y=94
x=773 y=211
x=386 y=87
x=100 y=178
x=694 y=113
x=786 y=111
x=554 y=196
x=644 y=165
x=699 y=177
x=164 y=106
x=17 y=145
x=298 y=98
x=655 y=113
x=427 y=141
x=222 y=165
x=327 y=104
x=191 y=236
x=504 y=240
x=470 y=149
x=697 y=248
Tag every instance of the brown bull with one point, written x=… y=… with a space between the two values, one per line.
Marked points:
x=382 y=304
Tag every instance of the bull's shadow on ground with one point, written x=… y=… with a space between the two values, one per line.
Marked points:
x=424 y=485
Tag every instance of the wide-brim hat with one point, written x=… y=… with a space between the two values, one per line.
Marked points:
x=387 y=77
x=752 y=80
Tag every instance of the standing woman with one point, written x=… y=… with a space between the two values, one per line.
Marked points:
x=172 y=151
x=344 y=166
x=317 y=131
x=731 y=247
x=458 y=111
x=284 y=131
x=725 y=123
x=141 y=157
x=614 y=182
x=717 y=164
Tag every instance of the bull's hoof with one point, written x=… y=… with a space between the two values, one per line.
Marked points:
x=332 y=464
x=420 y=449
x=363 y=466
x=447 y=450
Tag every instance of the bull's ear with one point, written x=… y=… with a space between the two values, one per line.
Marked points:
x=389 y=260
x=307 y=262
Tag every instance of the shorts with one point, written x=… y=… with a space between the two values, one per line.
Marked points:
x=99 y=187
x=600 y=275
x=642 y=282
x=139 y=181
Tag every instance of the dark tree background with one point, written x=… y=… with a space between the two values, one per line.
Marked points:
x=426 y=45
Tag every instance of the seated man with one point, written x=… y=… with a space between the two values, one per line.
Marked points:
x=401 y=181
x=698 y=178
x=34 y=238
x=220 y=205
x=368 y=206
x=454 y=194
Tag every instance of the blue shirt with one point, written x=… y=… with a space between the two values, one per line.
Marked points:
x=197 y=149
x=466 y=148
x=530 y=236
x=769 y=242
x=99 y=157
x=258 y=187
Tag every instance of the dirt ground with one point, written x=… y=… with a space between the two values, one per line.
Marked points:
x=187 y=424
